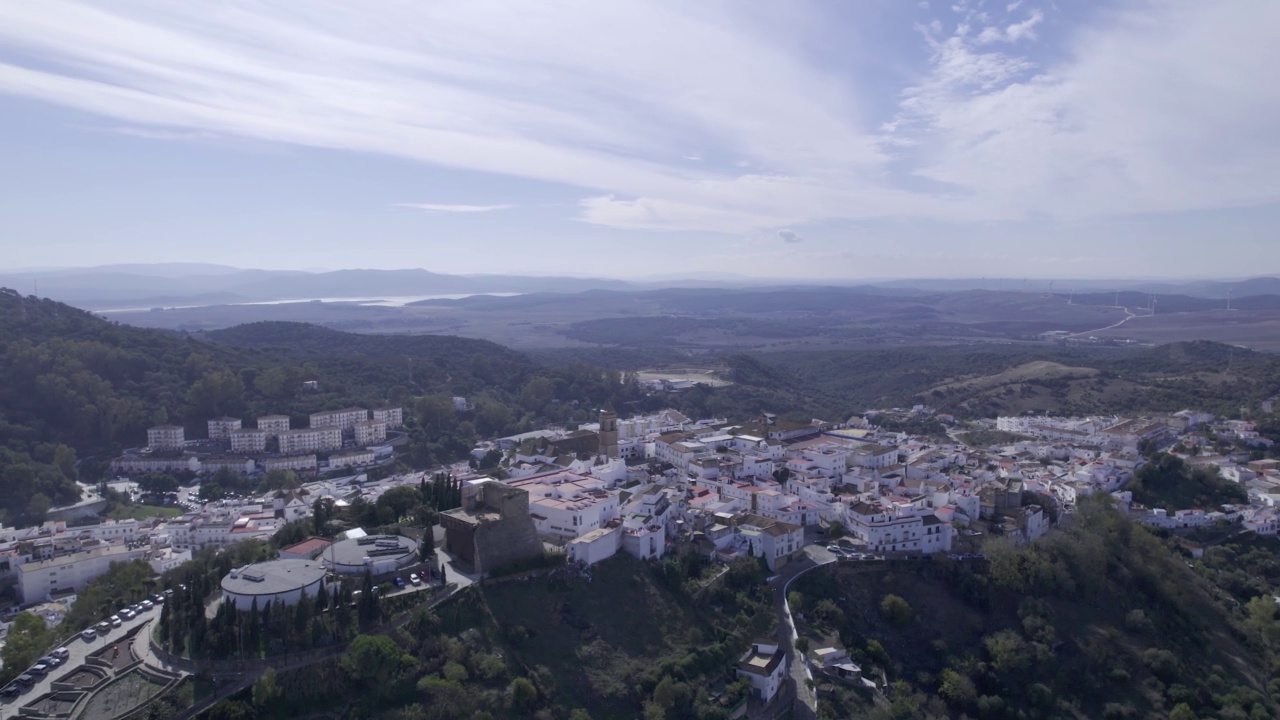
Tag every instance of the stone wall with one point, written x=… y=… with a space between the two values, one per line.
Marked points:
x=512 y=537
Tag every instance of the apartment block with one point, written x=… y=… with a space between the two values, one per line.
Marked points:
x=344 y=419
x=221 y=428
x=166 y=437
x=309 y=440
x=273 y=425
x=392 y=416
x=39 y=580
x=370 y=432
x=248 y=440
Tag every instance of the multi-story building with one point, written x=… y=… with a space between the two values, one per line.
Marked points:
x=139 y=464
x=370 y=432
x=273 y=425
x=236 y=464
x=296 y=463
x=166 y=437
x=356 y=458
x=392 y=416
x=310 y=440
x=776 y=541
x=897 y=529
x=221 y=428
x=37 y=581
x=568 y=505
x=875 y=457
x=249 y=440
x=343 y=419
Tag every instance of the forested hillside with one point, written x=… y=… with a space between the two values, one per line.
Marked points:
x=76 y=385
x=1099 y=619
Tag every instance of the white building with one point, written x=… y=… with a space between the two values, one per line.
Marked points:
x=296 y=463
x=343 y=419
x=37 y=581
x=765 y=664
x=591 y=548
x=248 y=440
x=139 y=464
x=568 y=505
x=355 y=458
x=894 y=529
x=309 y=440
x=273 y=425
x=392 y=416
x=166 y=437
x=221 y=428
x=874 y=457
x=274 y=581
x=370 y=432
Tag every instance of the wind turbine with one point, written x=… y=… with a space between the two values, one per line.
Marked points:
x=1229 y=291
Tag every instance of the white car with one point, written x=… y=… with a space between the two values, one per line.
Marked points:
x=89 y=635
x=413 y=578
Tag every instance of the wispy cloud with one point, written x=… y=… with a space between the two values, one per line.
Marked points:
x=432 y=207
x=789 y=237
x=1161 y=107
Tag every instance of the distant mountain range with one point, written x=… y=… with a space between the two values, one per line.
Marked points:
x=166 y=284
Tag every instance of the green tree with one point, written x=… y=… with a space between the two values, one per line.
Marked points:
x=265 y=690
x=895 y=610
x=28 y=639
x=371 y=660
x=523 y=695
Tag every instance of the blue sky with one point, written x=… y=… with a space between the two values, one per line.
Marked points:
x=860 y=139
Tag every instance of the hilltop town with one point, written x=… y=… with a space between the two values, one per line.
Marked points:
x=649 y=486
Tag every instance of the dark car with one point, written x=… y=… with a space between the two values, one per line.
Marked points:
x=398 y=582
x=11 y=690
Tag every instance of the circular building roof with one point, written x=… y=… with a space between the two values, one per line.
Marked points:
x=378 y=548
x=273 y=577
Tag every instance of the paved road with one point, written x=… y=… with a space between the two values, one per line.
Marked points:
x=1127 y=317
x=79 y=650
x=813 y=556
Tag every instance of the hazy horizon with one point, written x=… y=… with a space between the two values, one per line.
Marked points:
x=195 y=267
x=800 y=142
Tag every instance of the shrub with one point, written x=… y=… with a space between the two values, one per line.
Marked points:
x=895 y=610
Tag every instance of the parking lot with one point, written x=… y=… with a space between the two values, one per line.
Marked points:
x=73 y=653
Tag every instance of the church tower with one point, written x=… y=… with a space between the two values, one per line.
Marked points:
x=609 y=434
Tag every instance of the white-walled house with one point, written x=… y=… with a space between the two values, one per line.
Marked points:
x=765 y=664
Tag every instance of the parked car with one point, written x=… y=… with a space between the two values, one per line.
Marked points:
x=89 y=635
x=103 y=627
x=128 y=614
x=26 y=680
x=147 y=604
x=835 y=549
x=39 y=669
x=11 y=690
x=61 y=653
x=157 y=598
x=51 y=661
x=398 y=582
x=413 y=578
x=115 y=621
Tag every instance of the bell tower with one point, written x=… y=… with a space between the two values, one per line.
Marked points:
x=608 y=434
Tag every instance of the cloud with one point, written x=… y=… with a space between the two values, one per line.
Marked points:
x=789 y=237
x=1153 y=108
x=1025 y=30
x=431 y=207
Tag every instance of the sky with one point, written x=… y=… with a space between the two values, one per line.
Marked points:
x=826 y=139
